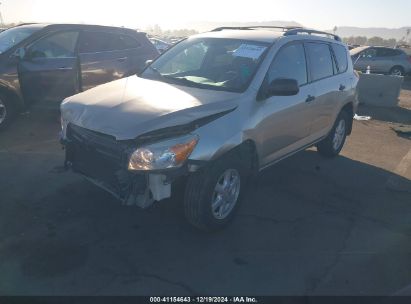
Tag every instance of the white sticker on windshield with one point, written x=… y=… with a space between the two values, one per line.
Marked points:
x=249 y=51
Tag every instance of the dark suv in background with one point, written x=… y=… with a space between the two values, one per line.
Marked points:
x=41 y=62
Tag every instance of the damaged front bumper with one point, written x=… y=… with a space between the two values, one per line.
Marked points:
x=103 y=160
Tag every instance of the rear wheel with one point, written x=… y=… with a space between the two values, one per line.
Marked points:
x=213 y=194
x=6 y=112
x=334 y=142
x=397 y=71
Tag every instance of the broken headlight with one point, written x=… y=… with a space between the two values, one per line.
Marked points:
x=166 y=154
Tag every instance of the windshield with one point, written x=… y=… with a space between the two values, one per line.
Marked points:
x=13 y=36
x=210 y=63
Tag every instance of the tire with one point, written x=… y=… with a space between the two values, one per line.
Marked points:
x=7 y=112
x=201 y=192
x=334 y=142
x=397 y=71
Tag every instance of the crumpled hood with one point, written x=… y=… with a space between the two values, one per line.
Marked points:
x=132 y=106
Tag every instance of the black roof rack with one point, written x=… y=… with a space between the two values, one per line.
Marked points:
x=288 y=30
x=297 y=31
x=284 y=28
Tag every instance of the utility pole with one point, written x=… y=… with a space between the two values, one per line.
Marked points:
x=1 y=19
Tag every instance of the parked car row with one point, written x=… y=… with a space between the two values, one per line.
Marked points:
x=41 y=62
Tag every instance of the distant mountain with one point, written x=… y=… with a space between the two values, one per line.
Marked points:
x=386 y=33
x=203 y=26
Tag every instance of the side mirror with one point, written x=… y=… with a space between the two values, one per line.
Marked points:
x=283 y=87
x=148 y=62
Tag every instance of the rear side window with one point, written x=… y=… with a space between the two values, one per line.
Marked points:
x=96 y=42
x=289 y=63
x=321 y=63
x=340 y=53
x=127 y=42
x=388 y=52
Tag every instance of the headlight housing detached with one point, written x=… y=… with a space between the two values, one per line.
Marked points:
x=166 y=154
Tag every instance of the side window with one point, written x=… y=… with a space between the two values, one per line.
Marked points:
x=127 y=42
x=289 y=63
x=341 y=57
x=95 y=42
x=383 y=52
x=59 y=45
x=369 y=53
x=321 y=63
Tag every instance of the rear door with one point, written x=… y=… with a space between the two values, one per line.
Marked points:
x=49 y=70
x=322 y=69
x=102 y=58
x=284 y=121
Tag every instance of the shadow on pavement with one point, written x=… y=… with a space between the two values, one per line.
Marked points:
x=307 y=226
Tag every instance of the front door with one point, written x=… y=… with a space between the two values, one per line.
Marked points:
x=49 y=69
x=283 y=121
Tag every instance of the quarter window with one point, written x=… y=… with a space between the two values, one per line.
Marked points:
x=289 y=63
x=321 y=63
x=59 y=45
x=341 y=57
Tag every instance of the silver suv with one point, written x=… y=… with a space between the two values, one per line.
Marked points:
x=212 y=111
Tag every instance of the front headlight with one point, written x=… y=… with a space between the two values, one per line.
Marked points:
x=163 y=155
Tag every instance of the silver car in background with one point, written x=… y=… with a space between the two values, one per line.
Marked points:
x=212 y=111
x=381 y=60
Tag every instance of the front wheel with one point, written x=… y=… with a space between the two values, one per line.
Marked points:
x=334 y=142
x=213 y=194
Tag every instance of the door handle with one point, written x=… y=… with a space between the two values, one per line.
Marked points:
x=65 y=68
x=342 y=87
x=122 y=59
x=310 y=98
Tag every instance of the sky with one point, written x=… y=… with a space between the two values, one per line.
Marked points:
x=320 y=14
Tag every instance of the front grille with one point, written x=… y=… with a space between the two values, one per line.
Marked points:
x=103 y=143
x=99 y=157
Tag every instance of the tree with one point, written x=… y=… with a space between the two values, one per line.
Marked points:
x=375 y=41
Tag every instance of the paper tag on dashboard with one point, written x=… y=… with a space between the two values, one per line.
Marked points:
x=249 y=51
